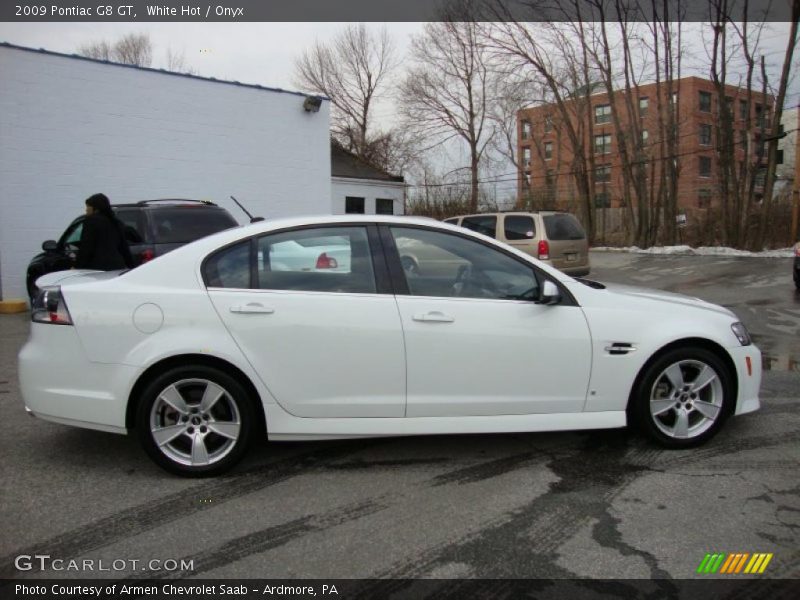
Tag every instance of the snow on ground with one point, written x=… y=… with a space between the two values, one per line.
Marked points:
x=701 y=251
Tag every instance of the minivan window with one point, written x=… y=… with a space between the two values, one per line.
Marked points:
x=519 y=227
x=487 y=225
x=563 y=226
x=184 y=224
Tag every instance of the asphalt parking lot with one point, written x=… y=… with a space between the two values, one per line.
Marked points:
x=602 y=504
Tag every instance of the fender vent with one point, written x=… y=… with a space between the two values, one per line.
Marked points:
x=620 y=348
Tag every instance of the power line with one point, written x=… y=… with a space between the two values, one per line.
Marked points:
x=501 y=178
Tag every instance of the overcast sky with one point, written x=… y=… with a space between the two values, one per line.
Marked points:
x=263 y=53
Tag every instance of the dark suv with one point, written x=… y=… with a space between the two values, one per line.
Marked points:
x=152 y=228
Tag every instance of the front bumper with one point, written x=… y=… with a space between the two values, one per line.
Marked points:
x=58 y=383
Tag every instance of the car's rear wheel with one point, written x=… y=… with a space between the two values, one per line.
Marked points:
x=683 y=397
x=195 y=421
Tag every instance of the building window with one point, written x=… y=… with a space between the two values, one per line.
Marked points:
x=644 y=104
x=526 y=157
x=548 y=150
x=743 y=139
x=761 y=177
x=602 y=113
x=705 y=166
x=384 y=206
x=780 y=157
x=729 y=106
x=526 y=130
x=645 y=135
x=704 y=198
x=705 y=135
x=602 y=174
x=548 y=123
x=705 y=102
x=549 y=177
x=353 y=205
x=602 y=200
x=743 y=109
x=602 y=144
x=674 y=98
x=762 y=116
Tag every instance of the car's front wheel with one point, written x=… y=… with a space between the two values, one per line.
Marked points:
x=683 y=397
x=195 y=421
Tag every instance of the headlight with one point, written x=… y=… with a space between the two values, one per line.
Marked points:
x=740 y=331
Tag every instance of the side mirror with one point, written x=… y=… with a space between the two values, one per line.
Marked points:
x=50 y=246
x=550 y=294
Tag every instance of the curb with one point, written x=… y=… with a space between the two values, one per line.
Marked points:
x=8 y=307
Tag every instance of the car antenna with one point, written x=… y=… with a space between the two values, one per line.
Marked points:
x=252 y=218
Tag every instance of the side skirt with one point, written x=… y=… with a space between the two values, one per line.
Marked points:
x=282 y=426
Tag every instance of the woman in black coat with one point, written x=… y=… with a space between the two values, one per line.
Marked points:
x=103 y=246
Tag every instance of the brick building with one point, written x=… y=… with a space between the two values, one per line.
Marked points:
x=548 y=158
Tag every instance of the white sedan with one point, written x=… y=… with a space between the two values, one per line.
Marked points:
x=227 y=338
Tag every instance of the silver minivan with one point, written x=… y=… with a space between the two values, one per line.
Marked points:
x=556 y=238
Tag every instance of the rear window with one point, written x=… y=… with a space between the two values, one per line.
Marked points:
x=486 y=225
x=134 y=223
x=519 y=227
x=563 y=226
x=183 y=224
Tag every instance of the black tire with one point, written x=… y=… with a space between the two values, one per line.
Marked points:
x=33 y=291
x=195 y=431
x=656 y=392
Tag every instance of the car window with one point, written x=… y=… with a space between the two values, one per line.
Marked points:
x=184 y=224
x=487 y=225
x=519 y=227
x=229 y=268
x=134 y=225
x=327 y=259
x=563 y=226
x=453 y=221
x=73 y=235
x=446 y=265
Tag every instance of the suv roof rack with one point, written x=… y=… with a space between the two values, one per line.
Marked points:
x=174 y=200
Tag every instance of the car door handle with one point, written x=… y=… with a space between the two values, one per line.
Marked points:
x=252 y=308
x=433 y=317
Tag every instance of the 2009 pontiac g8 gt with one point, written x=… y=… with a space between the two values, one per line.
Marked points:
x=311 y=328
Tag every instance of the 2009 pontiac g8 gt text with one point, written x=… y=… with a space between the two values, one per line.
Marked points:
x=202 y=349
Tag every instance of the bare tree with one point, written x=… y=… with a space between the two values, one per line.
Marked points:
x=352 y=71
x=176 y=61
x=131 y=49
x=446 y=93
x=100 y=50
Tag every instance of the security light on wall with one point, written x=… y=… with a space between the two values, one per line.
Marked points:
x=312 y=104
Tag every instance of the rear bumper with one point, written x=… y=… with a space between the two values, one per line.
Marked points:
x=749 y=378
x=58 y=383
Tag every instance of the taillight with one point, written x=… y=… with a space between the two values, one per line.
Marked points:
x=544 y=250
x=147 y=255
x=326 y=262
x=50 y=307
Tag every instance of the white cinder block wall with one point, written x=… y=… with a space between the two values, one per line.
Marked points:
x=71 y=127
x=370 y=190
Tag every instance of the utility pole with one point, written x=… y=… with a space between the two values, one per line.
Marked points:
x=796 y=190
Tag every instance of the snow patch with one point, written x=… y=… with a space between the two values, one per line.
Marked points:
x=701 y=251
